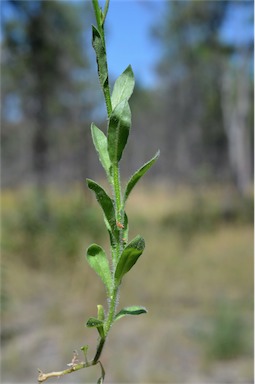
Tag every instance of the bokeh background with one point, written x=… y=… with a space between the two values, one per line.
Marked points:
x=193 y=100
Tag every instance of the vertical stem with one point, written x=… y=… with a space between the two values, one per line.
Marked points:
x=99 y=350
x=112 y=308
x=107 y=96
x=106 y=7
x=117 y=192
x=97 y=14
x=118 y=206
x=100 y=18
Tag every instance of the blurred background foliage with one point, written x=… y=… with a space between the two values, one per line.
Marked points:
x=195 y=212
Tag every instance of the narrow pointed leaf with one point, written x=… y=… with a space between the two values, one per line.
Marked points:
x=138 y=174
x=98 y=261
x=106 y=204
x=99 y=48
x=118 y=131
x=134 y=310
x=129 y=257
x=123 y=87
x=112 y=237
x=85 y=351
x=126 y=228
x=100 y=143
x=101 y=379
x=100 y=312
x=94 y=323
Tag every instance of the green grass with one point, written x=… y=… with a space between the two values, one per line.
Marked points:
x=199 y=293
x=227 y=338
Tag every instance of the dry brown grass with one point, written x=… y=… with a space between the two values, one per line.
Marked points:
x=181 y=280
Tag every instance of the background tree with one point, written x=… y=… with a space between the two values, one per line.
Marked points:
x=237 y=106
x=47 y=77
x=202 y=108
x=194 y=61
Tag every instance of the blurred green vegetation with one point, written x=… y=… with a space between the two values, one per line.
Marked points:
x=195 y=278
x=52 y=227
x=227 y=338
x=205 y=214
x=47 y=228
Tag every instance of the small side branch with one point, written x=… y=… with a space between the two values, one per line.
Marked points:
x=76 y=367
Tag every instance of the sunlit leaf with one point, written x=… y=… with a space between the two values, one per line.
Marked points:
x=98 y=261
x=100 y=143
x=100 y=312
x=138 y=174
x=123 y=87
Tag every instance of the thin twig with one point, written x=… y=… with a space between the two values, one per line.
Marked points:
x=76 y=367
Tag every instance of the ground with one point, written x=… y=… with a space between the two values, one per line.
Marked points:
x=195 y=278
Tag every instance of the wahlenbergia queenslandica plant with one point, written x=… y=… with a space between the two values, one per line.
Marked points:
x=124 y=254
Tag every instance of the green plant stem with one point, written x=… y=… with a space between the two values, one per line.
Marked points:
x=107 y=97
x=118 y=207
x=106 y=7
x=45 y=376
x=108 y=324
x=112 y=309
x=76 y=367
x=117 y=193
x=135 y=249
x=99 y=350
x=97 y=12
x=100 y=18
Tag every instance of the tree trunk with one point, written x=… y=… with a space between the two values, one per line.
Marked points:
x=235 y=105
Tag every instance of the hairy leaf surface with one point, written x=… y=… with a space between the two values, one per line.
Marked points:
x=129 y=257
x=99 y=48
x=106 y=204
x=118 y=131
x=138 y=174
x=98 y=261
x=100 y=143
x=94 y=322
x=123 y=87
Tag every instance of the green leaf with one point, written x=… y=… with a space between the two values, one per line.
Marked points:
x=100 y=143
x=98 y=261
x=112 y=237
x=126 y=228
x=106 y=204
x=94 y=323
x=118 y=131
x=123 y=87
x=138 y=174
x=85 y=351
x=97 y=322
x=101 y=379
x=129 y=257
x=98 y=45
x=100 y=312
x=134 y=310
